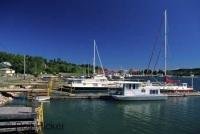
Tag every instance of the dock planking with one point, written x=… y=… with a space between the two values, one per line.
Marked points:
x=22 y=90
x=17 y=119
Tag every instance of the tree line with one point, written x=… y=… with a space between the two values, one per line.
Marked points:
x=36 y=65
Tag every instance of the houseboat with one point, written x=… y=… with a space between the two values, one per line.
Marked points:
x=139 y=91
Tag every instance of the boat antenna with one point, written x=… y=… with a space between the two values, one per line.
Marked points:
x=165 y=42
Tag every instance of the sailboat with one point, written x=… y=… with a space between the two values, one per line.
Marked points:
x=169 y=84
x=97 y=82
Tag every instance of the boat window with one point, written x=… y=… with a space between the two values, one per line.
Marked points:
x=95 y=84
x=137 y=86
x=129 y=86
x=143 y=90
x=184 y=84
x=77 y=81
x=153 y=91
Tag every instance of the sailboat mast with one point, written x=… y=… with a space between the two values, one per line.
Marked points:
x=165 y=42
x=94 y=57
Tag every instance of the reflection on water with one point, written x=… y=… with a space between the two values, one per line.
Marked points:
x=132 y=108
x=178 y=115
x=148 y=117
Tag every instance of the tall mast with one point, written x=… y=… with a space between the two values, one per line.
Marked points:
x=94 y=58
x=165 y=42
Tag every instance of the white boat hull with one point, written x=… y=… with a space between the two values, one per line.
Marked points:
x=140 y=98
x=42 y=98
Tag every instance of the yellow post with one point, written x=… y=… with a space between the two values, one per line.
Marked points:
x=40 y=117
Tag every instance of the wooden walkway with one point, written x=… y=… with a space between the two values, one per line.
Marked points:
x=17 y=119
x=22 y=90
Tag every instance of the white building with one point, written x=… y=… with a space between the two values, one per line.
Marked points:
x=7 y=72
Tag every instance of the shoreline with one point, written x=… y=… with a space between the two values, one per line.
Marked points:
x=5 y=100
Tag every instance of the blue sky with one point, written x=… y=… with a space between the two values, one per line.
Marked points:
x=125 y=30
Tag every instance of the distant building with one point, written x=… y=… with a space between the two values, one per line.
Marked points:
x=5 y=69
x=7 y=72
x=5 y=64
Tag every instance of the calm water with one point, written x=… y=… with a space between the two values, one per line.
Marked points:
x=179 y=115
x=176 y=116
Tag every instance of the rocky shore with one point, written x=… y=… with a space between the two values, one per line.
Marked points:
x=4 y=100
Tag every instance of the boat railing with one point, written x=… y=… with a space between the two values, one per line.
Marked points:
x=156 y=84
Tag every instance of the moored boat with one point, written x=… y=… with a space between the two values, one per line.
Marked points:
x=97 y=82
x=139 y=91
x=42 y=98
x=171 y=86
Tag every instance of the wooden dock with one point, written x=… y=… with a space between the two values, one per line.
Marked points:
x=67 y=95
x=183 y=94
x=30 y=93
x=22 y=90
x=17 y=119
x=21 y=120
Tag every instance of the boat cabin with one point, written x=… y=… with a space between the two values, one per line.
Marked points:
x=139 y=88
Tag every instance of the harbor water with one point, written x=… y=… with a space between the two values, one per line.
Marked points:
x=177 y=115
